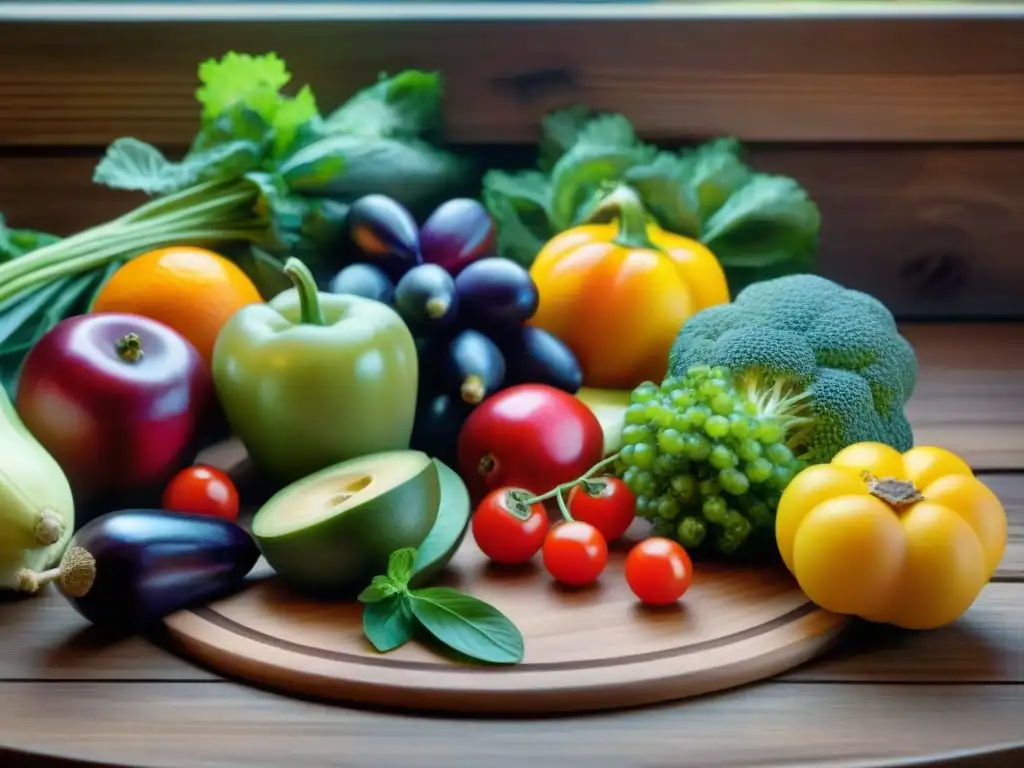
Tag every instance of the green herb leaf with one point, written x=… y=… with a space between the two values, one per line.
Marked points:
x=400 y=565
x=715 y=171
x=467 y=625
x=389 y=624
x=662 y=186
x=15 y=243
x=407 y=105
x=559 y=130
x=381 y=588
x=519 y=204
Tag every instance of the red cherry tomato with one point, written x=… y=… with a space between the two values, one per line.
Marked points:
x=504 y=537
x=658 y=571
x=575 y=553
x=528 y=436
x=611 y=509
x=202 y=490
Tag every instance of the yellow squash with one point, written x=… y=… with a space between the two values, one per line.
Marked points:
x=905 y=539
x=617 y=293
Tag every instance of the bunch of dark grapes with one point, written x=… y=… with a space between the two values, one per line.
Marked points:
x=706 y=465
x=465 y=306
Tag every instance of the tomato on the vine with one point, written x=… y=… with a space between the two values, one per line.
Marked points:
x=202 y=490
x=658 y=571
x=606 y=503
x=502 y=535
x=575 y=553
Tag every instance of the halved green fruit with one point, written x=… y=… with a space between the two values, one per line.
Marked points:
x=449 y=530
x=332 y=532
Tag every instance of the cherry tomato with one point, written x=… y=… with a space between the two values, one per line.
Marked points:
x=202 y=490
x=502 y=536
x=658 y=571
x=528 y=436
x=611 y=509
x=575 y=553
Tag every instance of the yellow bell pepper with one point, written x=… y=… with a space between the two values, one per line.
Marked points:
x=617 y=293
x=905 y=539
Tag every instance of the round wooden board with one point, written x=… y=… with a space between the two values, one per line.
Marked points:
x=586 y=649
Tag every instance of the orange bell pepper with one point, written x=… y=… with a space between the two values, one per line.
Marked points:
x=617 y=293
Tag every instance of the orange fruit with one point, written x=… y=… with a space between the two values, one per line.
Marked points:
x=192 y=290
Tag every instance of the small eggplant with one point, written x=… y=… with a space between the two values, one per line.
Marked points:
x=425 y=298
x=366 y=280
x=439 y=419
x=458 y=233
x=534 y=356
x=382 y=232
x=474 y=367
x=495 y=293
x=128 y=569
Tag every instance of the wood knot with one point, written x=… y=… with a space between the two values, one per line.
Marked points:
x=537 y=84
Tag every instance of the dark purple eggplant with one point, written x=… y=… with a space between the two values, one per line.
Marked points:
x=439 y=418
x=534 y=356
x=474 y=367
x=126 y=570
x=366 y=280
x=458 y=233
x=495 y=293
x=425 y=298
x=382 y=232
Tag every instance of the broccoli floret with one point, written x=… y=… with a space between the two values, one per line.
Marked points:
x=827 y=361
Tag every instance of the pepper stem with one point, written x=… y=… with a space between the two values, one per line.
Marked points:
x=625 y=205
x=74 y=576
x=896 y=493
x=310 y=311
x=129 y=348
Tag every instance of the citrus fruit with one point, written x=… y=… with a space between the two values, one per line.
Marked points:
x=192 y=290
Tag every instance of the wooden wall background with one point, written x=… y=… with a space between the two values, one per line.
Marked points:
x=907 y=127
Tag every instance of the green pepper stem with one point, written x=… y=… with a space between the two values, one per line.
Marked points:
x=625 y=205
x=556 y=492
x=310 y=311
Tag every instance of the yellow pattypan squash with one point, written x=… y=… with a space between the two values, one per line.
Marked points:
x=905 y=539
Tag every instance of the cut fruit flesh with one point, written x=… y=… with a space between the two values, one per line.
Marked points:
x=335 y=490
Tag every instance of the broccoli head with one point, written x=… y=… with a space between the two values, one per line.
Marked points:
x=827 y=362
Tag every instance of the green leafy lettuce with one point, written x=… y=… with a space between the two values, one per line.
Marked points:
x=266 y=177
x=758 y=225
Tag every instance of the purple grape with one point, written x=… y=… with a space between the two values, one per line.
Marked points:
x=457 y=234
x=383 y=233
x=495 y=293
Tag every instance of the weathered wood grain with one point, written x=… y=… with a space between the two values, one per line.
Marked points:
x=775 y=724
x=778 y=77
x=931 y=231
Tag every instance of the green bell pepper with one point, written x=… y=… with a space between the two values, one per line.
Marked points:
x=310 y=379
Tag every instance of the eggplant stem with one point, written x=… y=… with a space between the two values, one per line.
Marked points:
x=473 y=390
x=436 y=307
x=74 y=576
x=50 y=527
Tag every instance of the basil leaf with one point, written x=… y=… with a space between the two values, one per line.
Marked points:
x=389 y=624
x=400 y=565
x=467 y=625
x=381 y=588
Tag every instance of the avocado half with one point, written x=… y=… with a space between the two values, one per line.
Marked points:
x=449 y=529
x=330 y=533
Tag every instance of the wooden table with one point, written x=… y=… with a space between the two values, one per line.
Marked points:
x=953 y=696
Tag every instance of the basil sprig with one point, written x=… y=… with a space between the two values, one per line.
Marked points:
x=465 y=624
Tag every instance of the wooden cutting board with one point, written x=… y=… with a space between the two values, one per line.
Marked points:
x=586 y=649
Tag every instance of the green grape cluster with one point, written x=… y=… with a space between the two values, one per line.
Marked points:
x=707 y=467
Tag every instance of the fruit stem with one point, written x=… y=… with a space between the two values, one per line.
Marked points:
x=129 y=348
x=562 y=507
x=25 y=525
x=624 y=204
x=75 y=575
x=436 y=307
x=557 y=490
x=310 y=311
x=473 y=390
x=896 y=493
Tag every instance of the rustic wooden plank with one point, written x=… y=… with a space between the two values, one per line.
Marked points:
x=214 y=724
x=928 y=230
x=773 y=77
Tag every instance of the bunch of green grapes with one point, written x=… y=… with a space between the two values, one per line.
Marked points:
x=706 y=466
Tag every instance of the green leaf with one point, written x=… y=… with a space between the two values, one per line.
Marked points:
x=407 y=105
x=765 y=223
x=467 y=625
x=400 y=565
x=519 y=204
x=559 y=130
x=666 y=195
x=15 y=243
x=381 y=588
x=389 y=624
x=715 y=171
